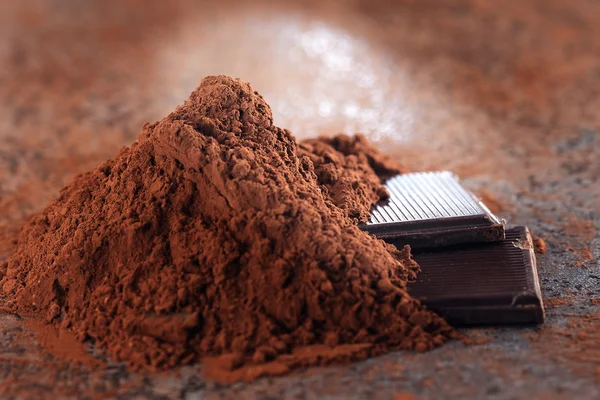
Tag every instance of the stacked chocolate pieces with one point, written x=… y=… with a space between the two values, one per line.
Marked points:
x=474 y=270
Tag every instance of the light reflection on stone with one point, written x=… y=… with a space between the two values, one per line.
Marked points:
x=318 y=79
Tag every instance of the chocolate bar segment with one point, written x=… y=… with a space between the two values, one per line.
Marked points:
x=432 y=209
x=486 y=283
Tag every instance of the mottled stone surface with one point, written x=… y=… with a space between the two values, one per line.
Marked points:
x=504 y=93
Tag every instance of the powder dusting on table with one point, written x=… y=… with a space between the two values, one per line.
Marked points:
x=216 y=236
x=539 y=245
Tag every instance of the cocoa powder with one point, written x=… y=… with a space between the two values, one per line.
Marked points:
x=351 y=171
x=539 y=245
x=216 y=237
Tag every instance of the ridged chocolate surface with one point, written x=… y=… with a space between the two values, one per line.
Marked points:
x=484 y=283
x=425 y=195
x=431 y=209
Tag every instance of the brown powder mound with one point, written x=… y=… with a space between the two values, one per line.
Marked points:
x=211 y=236
x=351 y=172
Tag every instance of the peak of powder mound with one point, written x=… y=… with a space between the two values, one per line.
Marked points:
x=230 y=103
x=217 y=236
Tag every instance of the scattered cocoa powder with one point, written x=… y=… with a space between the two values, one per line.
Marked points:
x=586 y=254
x=555 y=302
x=216 y=236
x=582 y=231
x=575 y=345
x=582 y=228
x=404 y=396
x=539 y=245
x=583 y=252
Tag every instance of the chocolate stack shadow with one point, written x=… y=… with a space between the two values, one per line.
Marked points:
x=474 y=271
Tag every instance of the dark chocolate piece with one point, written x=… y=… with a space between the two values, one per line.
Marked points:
x=485 y=283
x=431 y=209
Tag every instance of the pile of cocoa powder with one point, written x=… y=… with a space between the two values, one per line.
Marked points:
x=217 y=237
